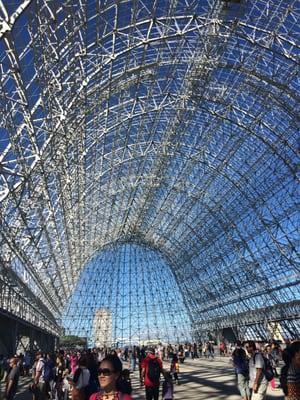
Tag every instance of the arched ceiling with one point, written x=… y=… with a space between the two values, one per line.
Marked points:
x=137 y=291
x=170 y=123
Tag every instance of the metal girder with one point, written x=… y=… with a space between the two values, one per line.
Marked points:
x=170 y=123
x=277 y=313
x=17 y=299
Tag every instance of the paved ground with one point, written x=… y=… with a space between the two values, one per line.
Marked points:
x=199 y=379
x=205 y=379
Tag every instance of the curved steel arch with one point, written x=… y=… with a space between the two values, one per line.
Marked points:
x=166 y=123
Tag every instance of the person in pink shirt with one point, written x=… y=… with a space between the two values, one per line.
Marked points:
x=109 y=375
x=73 y=363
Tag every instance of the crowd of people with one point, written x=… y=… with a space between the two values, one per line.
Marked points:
x=98 y=374
x=256 y=368
x=94 y=374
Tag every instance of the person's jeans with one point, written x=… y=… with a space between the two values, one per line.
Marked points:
x=133 y=364
x=243 y=385
x=152 y=393
x=261 y=393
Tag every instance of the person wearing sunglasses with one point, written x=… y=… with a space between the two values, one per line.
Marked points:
x=109 y=375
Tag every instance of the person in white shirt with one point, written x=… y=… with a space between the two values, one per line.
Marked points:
x=257 y=382
x=39 y=382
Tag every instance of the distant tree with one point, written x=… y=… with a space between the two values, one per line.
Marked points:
x=70 y=341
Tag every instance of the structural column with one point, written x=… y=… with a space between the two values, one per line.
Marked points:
x=8 y=335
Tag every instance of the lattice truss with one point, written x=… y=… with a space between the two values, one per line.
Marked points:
x=135 y=289
x=168 y=123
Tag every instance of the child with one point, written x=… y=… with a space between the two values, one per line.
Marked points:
x=175 y=368
x=168 y=388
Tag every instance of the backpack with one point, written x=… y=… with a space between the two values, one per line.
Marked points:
x=48 y=371
x=241 y=366
x=268 y=369
x=240 y=362
x=154 y=370
x=77 y=375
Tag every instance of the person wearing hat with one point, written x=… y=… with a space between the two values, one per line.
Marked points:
x=151 y=370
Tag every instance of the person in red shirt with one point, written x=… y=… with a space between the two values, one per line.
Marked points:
x=151 y=370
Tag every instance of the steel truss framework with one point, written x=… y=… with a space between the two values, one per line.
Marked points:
x=17 y=299
x=136 y=289
x=168 y=123
x=286 y=315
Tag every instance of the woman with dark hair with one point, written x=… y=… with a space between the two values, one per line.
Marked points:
x=80 y=380
x=59 y=377
x=92 y=365
x=290 y=373
x=241 y=366
x=109 y=375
